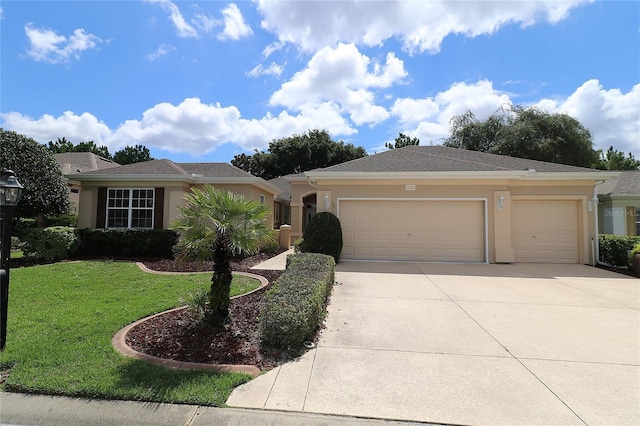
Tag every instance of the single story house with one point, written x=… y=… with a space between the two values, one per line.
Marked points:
x=72 y=163
x=147 y=195
x=619 y=204
x=435 y=203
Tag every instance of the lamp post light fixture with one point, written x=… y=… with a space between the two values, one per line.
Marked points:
x=10 y=193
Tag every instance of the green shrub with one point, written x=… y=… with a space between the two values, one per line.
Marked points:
x=67 y=219
x=614 y=249
x=295 y=305
x=271 y=246
x=323 y=235
x=50 y=244
x=296 y=245
x=196 y=303
x=22 y=226
x=127 y=242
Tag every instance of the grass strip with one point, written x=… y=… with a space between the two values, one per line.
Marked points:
x=63 y=316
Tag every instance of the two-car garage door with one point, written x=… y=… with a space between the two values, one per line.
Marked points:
x=426 y=230
x=544 y=231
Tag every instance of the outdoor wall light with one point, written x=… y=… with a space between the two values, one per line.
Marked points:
x=592 y=203
x=327 y=202
x=500 y=203
x=10 y=193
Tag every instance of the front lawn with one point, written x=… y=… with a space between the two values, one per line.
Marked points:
x=63 y=316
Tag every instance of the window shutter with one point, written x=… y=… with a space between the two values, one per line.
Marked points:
x=158 y=209
x=631 y=220
x=101 y=214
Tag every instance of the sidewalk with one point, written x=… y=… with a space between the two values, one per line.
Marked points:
x=23 y=409
x=276 y=263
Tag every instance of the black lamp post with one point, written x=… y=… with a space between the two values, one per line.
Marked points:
x=10 y=192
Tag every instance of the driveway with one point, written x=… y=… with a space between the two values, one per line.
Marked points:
x=468 y=344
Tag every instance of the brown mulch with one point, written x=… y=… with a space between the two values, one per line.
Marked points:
x=178 y=336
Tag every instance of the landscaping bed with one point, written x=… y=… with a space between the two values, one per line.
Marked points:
x=178 y=336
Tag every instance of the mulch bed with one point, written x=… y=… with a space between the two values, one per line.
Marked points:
x=178 y=336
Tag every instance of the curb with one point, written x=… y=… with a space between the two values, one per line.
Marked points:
x=119 y=343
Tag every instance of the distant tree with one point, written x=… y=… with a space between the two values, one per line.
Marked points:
x=298 y=153
x=525 y=133
x=130 y=155
x=63 y=145
x=45 y=189
x=617 y=160
x=401 y=141
x=217 y=224
x=242 y=161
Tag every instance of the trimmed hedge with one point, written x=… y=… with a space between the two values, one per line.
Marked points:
x=127 y=242
x=323 y=235
x=295 y=305
x=50 y=244
x=614 y=249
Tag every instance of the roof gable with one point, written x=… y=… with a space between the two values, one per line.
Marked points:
x=79 y=162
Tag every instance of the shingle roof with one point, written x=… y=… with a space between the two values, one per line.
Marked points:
x=284 y=185
x=628 y=183
x=443 y=159
x=78 y=162
x=168 y=167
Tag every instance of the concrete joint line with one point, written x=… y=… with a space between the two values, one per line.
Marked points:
x=507 y=350
x=264 y=406
x=195 y=413
x=306 y=393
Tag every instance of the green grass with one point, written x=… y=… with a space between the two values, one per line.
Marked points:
x=17 y=254
x=63 y=316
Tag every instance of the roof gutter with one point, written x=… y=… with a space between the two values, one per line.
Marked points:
x=193 y=179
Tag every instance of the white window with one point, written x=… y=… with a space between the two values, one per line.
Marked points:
x=130 y=208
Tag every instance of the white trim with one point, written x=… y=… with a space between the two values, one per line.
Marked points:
x=130 y=208
x=483 y=200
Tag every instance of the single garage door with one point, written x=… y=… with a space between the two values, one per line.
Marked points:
x=423 y=230
x=545 y=231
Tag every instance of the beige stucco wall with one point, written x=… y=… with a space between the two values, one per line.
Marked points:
x=299 y=190
x=499 y=238
x=173 y=197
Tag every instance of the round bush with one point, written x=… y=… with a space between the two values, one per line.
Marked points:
x=323 y=235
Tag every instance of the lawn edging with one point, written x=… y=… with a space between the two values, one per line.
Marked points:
x=119 y=340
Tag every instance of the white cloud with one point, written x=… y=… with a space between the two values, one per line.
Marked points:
x=612 y=117
x=235 y=26
x=48 y=46
x=184 y=29
x=428 y=118
x=191 y=126
x=420 y=25
x=162 y=50
x=341 y=76
x=273 y=69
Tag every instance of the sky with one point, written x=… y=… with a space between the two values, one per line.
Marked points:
x=200 y=81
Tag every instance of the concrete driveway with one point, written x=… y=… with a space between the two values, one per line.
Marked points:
x=468 y=344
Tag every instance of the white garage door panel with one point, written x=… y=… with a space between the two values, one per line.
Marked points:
x=545 y=231
x=413 y=230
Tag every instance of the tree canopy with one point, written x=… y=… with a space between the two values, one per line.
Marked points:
x=296 y=154
x=401 y=141
x=127 y=155
x=526 y=133
x=45 y=190
x=132 y=154
x=617 y=160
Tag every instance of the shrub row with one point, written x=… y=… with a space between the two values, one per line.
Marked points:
x=61 y=242
x=614 y=249
x=295 y=305
x=127 y=242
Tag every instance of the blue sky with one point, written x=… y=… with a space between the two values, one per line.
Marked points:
x=203 y=81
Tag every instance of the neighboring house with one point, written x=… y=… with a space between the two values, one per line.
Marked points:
x=434 y=203
x=72 y=163
x=282 y=206
x=147 y=195
x=619 y=204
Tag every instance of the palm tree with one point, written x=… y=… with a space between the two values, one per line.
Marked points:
x=217 y=224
